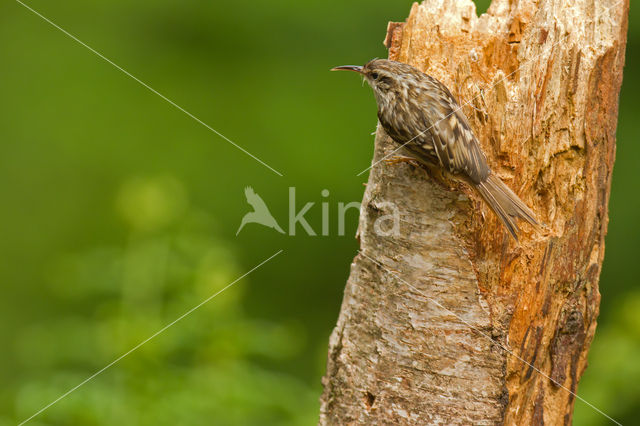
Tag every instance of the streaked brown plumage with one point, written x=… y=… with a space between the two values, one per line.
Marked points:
x=420 y=113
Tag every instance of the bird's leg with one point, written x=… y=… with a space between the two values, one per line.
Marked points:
x=439 y=176
x=402 y=159
x=436 y=174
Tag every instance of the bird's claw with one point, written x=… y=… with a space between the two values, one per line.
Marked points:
x=402 y=159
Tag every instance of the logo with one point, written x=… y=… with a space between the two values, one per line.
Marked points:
x=387 y=223
x=260 y=213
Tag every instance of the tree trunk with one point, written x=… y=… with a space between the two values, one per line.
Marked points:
x=450 y=321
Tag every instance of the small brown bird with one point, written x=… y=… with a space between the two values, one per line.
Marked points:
x=419 y=113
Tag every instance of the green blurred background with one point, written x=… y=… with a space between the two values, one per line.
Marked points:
x=119 y=212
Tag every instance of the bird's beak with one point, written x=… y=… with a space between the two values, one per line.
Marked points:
x=356 y=68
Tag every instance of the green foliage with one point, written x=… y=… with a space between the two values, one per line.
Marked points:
x=210 y=365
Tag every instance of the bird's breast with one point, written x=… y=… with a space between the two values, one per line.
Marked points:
x=403 y=119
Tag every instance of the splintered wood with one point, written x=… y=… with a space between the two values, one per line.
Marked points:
x=450 y=321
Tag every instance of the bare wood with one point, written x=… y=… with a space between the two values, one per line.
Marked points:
x=427 y=313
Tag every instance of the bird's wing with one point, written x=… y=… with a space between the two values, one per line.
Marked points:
x=254 y=199
x=454 y=143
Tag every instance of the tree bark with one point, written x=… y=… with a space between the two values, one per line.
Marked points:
x=450 y=321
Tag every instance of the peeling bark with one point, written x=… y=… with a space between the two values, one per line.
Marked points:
x=427 y=313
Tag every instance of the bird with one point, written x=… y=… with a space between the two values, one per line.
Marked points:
x=260 y=213
x=421 y=115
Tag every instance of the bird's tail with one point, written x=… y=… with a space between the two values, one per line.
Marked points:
x=506 y=204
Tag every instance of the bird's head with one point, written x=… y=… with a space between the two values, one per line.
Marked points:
x=385 y=77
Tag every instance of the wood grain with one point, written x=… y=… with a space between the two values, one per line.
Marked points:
x=428 y=312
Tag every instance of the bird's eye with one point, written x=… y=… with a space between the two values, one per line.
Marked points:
x=375 y=75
